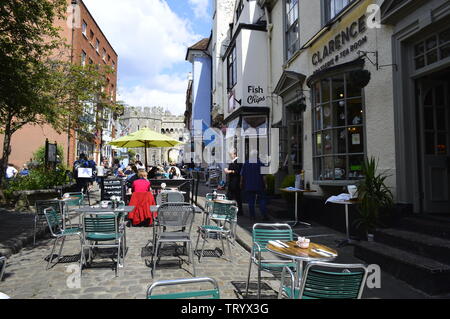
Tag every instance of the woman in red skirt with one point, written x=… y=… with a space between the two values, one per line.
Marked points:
x=141 y=199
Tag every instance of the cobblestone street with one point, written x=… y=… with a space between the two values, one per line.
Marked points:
x=26 y=275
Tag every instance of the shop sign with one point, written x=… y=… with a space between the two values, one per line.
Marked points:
x=255 y=95
x=341 y=44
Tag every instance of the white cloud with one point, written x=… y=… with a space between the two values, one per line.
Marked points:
x=151 y=41
x=200 y=8
x=165 y=90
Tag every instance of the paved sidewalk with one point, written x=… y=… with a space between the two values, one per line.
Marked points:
x=26 y=276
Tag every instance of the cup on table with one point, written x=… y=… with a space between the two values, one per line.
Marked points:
x=303 y=242
x=104 y=204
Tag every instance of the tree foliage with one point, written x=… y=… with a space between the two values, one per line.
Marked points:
x=38 y=83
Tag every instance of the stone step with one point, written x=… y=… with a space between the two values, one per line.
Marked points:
x=424 y=225
x=425 y=274
x=420 y=244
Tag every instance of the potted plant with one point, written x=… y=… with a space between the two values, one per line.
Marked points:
x=373 y=196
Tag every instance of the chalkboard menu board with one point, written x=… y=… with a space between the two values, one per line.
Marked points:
x=113 y=187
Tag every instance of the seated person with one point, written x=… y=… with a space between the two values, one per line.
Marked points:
x=141 y=184
x=133 y=176
x=152 y=172
x=142 y=199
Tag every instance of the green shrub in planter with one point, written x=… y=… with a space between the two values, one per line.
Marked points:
x=374 y=197
x=37 y=179
x=288 y=181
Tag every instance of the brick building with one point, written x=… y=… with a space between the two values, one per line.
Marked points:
x=87 y=45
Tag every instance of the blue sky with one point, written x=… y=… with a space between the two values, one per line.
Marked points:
x=151 y=38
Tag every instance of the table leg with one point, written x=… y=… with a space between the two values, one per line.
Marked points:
x=296 y=222
x=347 y=241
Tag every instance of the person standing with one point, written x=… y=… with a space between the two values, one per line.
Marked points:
x=24 y=171
x=11 y=172
x=82 y=162
x=234 y=190
x=254 y=186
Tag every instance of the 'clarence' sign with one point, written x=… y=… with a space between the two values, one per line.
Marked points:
x=339 y=41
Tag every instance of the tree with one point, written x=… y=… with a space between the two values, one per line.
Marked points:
x=36 y=85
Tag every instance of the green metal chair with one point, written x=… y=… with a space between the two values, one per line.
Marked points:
x=209 y=205
x=226 y=214
x=322 y=280
x=261 y=235
x=2 y=266
x=58 y=230
x=220 y=213
x=39 y=216
x=102 y=230
x=213 y=293
x=76 y=199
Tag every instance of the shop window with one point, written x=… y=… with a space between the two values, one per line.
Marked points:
x=432 y=49
x=338 y=129
x=292 y=36
x=255 y=136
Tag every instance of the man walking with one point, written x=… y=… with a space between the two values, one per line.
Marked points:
x=254 y=186
x=234 y=183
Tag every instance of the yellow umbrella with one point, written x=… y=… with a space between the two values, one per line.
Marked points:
x=145 y=138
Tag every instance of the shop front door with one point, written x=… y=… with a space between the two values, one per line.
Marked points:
x=434 y=120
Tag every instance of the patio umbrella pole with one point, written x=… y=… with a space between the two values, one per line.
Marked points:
x=146 y=163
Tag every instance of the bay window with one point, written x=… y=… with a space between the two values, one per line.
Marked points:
x=338 y=128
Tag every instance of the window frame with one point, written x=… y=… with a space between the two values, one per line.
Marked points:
x=289 y=28
x=232 y=66
x=326 y=10
x=84 y=27
x=239 y=9
x=315 y=131
x=83 y=58
x=438 y=48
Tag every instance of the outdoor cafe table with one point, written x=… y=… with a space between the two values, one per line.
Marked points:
x=348 y=240
x=297 y=191
x=300 y=255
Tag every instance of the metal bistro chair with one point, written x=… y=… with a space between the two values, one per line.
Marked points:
x=76 y=199
x=167 y=196
x=102 y=230
x=69 y=200
x=174 y=226
x=2 y=266
x=58 y=231
x=322 y=280
x=226 y=214
x=39 y=216
x=220 y=213
x=209 y=204
x=212 y=293
x=261 y=235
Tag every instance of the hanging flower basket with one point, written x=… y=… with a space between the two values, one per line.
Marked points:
x=359 y=78
x=296 y=107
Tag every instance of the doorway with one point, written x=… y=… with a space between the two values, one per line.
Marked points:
x=433 y=98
